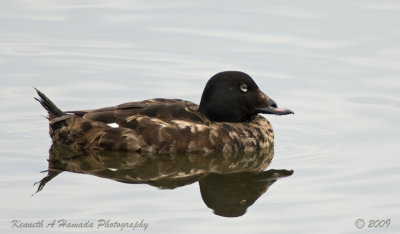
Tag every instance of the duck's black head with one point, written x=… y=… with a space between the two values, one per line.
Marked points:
x=233 y=96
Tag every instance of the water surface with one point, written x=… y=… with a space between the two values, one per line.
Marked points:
x=335 y=63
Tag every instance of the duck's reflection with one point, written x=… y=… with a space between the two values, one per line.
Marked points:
x=229 y=182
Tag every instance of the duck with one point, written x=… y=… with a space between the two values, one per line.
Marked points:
x=228 y=119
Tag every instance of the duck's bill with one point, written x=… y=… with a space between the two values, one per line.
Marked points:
x=274 y=109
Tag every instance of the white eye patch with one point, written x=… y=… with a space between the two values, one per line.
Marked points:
x=244 y=88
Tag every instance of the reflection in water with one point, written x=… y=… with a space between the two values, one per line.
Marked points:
x=229 y=182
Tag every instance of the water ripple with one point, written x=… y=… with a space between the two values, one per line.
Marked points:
x=301 y=144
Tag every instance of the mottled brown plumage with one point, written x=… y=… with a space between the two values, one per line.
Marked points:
x=173 y=125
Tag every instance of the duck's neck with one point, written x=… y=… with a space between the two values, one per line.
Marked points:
x=219 y=113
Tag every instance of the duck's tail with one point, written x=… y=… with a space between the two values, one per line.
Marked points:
x=51 y=108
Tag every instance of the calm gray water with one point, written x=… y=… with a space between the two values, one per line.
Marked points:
x=335 y=63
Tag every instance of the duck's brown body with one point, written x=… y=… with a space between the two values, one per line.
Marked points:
x=157 y=126
x=226 y=120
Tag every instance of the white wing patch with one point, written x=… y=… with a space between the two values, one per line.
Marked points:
x=113 y=125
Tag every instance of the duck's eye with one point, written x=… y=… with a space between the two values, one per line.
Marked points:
x=244 y=88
